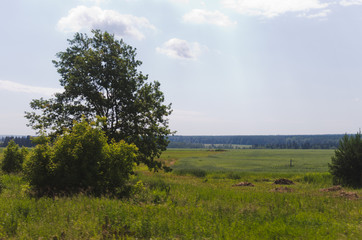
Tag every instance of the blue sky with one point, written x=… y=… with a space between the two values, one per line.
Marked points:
x=229 y=67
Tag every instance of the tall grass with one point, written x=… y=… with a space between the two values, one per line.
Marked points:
x=171 y=206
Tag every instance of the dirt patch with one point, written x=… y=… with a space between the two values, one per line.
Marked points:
x=349 y=195
x=282 y=189
x=332 y=189
x=283 y=181
x=341 y=192
x=243 y=184
x=172 y=162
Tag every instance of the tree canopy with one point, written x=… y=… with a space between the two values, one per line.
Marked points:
x=346 y=165
x=101 y=80
x=13 y=157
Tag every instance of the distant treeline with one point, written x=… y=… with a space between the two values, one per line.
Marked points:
x=272 y=141
x=229 y=142
x=22 y=141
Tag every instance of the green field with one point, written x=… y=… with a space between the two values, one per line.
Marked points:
x=180 y=205
x=257 y=160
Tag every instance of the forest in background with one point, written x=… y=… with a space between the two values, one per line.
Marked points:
x=262 y=141
x=230 y=142
x=22 y=141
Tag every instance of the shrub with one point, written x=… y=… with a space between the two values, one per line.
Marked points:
x=38 y=167
x=81 y=160
x=13 y=157
x=346 y=166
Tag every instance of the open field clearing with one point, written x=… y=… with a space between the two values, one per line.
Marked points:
x=254 y=160
x=215 y=205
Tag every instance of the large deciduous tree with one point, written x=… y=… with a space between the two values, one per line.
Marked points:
x=100 y=78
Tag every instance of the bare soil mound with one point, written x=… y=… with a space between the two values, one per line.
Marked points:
x=341 y=192
x=243 y=184
x=349 y=195
x=332 y=189
x=283 y=181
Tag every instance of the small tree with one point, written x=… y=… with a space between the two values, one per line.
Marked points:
x=13 y=157
x=81 y=160
x=346 y=166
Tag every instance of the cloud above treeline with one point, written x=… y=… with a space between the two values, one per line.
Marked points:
x=273 y=8
x=181 y=49
x=122 y=25
x=201 y=16
x=350 y=2
x=22 y=88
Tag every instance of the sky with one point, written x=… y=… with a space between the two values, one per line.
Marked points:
x=229 y=67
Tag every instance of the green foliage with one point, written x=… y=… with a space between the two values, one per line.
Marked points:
x=13 y=157
x=346 y=166
x=37 y=168
x=100 y=78
x=81 y=160
x=317 y=178
x=192 y=209
x=166 y=206
x=1 y=185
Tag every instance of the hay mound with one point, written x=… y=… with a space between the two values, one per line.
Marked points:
x=283 y=181
x=349 y=195
x=243 y=184
x=332 y=189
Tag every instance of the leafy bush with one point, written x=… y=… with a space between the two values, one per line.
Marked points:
x=13 y=157
x=81 y=160
x=346 y=166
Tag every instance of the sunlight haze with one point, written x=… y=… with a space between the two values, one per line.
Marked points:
x=229 y=67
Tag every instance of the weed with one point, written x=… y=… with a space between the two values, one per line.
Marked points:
x=10 y=224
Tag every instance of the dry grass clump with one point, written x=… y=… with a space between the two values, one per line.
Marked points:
x=283 y=181
x=243 y=184
x=332 y=189
x=341 y=192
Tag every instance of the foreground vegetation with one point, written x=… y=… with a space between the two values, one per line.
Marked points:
x=180 y=205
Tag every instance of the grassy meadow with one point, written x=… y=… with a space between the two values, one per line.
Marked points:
x=198 y=200
x=256 y=160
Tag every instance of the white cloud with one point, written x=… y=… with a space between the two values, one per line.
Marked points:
x=347 y=3
x=83 y=17
x=22 y=88
x=201 y=16
x=181 y=49
x=321 y=14
x=273 y=8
